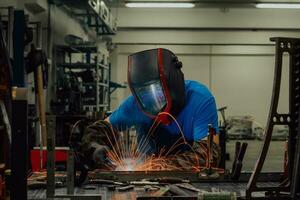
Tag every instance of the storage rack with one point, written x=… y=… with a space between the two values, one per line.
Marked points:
x=73 y=62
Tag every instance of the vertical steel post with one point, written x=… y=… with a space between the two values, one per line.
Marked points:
x=51 y=126
x=19 y=148
x=70 y=172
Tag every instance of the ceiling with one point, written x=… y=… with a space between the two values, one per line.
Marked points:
x=206 y=3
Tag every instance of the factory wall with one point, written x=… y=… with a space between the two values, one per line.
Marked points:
x=227 y=50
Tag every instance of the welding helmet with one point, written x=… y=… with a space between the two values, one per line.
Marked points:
x=157 y=82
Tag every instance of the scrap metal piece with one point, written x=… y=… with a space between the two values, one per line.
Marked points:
x=172 y=180
x=145 y=182
x=161 y=191
x=175 y=190
x=125 y=188
x=149 y=188
x=188 y=186
x=104 y=181
x=292 y=47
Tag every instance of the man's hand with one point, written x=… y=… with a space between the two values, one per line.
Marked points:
x=97 y=139
x=100 y=155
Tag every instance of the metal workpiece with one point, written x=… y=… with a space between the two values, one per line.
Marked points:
x=290 y=187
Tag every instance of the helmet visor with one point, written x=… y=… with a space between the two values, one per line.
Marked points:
x=151 y=97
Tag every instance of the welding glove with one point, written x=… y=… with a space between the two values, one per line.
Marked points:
x=100 y=154
x=97 y=139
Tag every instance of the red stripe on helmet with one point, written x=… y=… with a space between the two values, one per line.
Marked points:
x=164 y=118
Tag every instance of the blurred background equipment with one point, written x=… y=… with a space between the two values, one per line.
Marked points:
x=82 y=80
x=240 y=127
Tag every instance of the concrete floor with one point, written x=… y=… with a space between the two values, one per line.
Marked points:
x=274 y=161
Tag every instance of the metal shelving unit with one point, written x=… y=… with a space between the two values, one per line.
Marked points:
x=82 y=73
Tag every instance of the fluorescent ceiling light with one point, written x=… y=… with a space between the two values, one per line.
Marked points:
x=159 y=5
x=278 y=5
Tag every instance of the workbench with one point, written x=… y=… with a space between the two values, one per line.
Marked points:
x=103 y=191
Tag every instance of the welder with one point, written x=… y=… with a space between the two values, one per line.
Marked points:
x=181 y=109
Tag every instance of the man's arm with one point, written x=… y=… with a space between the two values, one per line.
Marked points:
x=100 y=136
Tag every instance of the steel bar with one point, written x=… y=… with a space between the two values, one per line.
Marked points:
x=51 y=126
x=70 y=172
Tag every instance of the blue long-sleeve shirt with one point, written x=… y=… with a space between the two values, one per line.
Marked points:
x=199 y=111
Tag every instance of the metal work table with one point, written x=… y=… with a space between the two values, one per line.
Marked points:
x=237 y=187
x=102 y=191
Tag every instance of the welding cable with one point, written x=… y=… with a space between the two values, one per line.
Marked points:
x=143 y=143
x=178 y=126
x=73 y=129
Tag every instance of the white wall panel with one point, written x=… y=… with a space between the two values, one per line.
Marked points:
x=199 y=37
x=196 y=68
x=244 y=84
x=209 y=18
x=119 y=75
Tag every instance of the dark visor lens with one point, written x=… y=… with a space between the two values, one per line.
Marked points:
x=151 y=97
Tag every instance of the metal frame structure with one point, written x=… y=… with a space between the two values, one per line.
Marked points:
x=50 y=193
x=98 y=65
x=290 y=187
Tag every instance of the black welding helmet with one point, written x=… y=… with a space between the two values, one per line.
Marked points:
x=157 y=82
